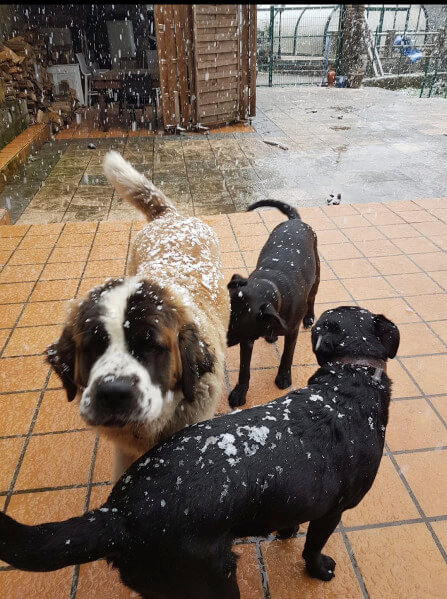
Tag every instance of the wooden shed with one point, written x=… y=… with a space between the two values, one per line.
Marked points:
x=207 y=63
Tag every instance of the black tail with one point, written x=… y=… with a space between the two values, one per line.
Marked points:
x=55 y=545
x=289 y=211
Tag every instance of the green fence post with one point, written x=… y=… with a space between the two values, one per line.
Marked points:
x=272 y=19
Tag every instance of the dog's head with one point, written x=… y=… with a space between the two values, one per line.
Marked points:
x=354 y=332
x=125 y=350
x=253 y=313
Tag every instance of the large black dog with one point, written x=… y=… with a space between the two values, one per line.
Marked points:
x=277 y=296
x=169 y=522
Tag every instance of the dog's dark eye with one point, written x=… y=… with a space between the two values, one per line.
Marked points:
x=144 y=345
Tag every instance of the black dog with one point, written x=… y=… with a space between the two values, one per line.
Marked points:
x=169 y=522
x=276 y=297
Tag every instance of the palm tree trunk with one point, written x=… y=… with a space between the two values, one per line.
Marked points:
x=353 y=52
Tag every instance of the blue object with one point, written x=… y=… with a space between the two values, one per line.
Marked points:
x=340 y=81
x=406 y=48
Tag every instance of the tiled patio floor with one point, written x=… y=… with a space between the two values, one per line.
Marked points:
x=387 y=257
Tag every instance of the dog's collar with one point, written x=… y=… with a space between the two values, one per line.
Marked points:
x=276 y=290
x=379 y=365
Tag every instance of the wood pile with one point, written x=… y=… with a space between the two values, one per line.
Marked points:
x=22 y=68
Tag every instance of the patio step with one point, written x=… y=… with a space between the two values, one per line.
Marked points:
x=14 y=154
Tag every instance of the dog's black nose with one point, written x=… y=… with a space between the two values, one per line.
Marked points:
x=116 y=393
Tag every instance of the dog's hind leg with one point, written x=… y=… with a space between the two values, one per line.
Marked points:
x=238 y=395
x=319 y=565
x=284 y=376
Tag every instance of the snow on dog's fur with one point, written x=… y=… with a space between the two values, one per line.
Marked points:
x=144 y=355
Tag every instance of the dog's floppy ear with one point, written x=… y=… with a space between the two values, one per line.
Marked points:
x=237 y=281
x=61 y=356
x=388 y=334
x=269 y=315
x=196 y=360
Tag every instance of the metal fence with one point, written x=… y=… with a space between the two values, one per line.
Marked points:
x=297 y=44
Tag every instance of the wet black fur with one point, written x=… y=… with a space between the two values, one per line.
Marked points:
x=289 y=260
x=169 y=522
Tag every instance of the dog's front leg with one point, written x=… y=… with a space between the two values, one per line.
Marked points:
x=284 y=376
x=239 y=393
x=319 y=565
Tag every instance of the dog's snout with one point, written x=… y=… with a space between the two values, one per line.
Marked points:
x=116 y=393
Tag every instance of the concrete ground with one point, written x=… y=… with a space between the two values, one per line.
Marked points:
x=388 y=257
x=370 y=145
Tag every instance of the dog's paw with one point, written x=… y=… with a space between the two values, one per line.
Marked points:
x=283 y=380
x=322 y=567
x=308 y=321
x=287 y=533
x=272 y=338
x=237 y=397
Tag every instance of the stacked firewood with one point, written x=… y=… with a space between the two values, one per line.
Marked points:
x=22 y=68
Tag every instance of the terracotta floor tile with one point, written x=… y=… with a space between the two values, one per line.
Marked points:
x=262 y=386
x=56 y=460
x=110 y=252
x=14 y=292
x=107 y=238
x=357 y=267
x=430 y=307
x=331 y=236
x=248 y=574
x=98 y=496
x=104 y=580
x=416 y=339
x=9 y=243
x=440 y=529
x=440 y=277
x=429 y=372
x=54 y=290
x=54 y=381
x=379 y=247
x=42 y=241
x=402 y=206
x=46 y=229
x=349 y=221
x=332 y=291
x=104 y=268
x=16 y=412
x=415 y=245
x=47 y=506
x=232 y=260
x=22 y=374
x=386 y=501
x=403 y=386
x=303 y=351
x=418 y=469
x=432 y=261
x=228 y=244
x=223 y=231
x=333 y=251
x=80 y=228
x=393 y=308
x=57 y=414
x=244 y=230
x=68 y=240
x=10 y=452
x=413 y=284
x=251 y=258
x=393 y=265
x=440 y=328
x=326 y=273
x=31 y=256
x=41 y=313
x=4 y=334
x=104 y=228
x=264 y=355
x=414 y=425
x=87 y=284
x=287 y=578
x=13 y=230
x=19 y=274
x=398 y=231
x=255 y=242
x=391 y=563
x=4 y=257
x=368 y=288
x=62 y=270
x=16 y=584
x=105 y=455
x=441 y=241
x=74 y=254
x=384 y=218
x=300 y=376
x=430 y=229
x=417 y=216
x=34 y=340
x=9 y=312
x=229 y=272
x=246 y=218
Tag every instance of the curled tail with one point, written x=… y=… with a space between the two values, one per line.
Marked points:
x=286 y=209
x=134 y=186
x=54 y=545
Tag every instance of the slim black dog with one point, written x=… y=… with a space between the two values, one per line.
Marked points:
x=277 y=296
x=169 y=522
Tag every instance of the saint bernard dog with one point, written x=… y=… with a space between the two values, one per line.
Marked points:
x=144 y=354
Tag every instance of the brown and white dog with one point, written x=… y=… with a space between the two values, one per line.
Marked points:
x=144 y=354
